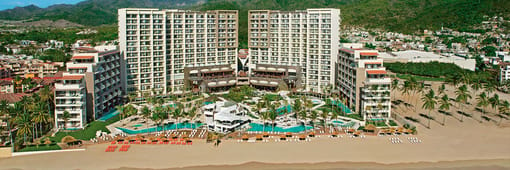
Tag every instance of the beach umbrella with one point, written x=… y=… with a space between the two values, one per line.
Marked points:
x=266 y=134
x=288 y=134
x=351 y=130
x=311 y=134
x=335 y=133
x=245 y=137
x=357 y=133
x=282 y=137
x=259 y=137
x=370 y=127
x=302 y=137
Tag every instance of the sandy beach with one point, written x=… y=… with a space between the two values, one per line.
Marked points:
x=458 y=145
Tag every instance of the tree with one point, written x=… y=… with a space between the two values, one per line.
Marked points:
x=324 y=116
x=504 y=107
x=24 y=125
x=192 y=113
x=296 y=107
x=313 y=116
x=429 y=103
x=264 y=116
x=444 y=105
x=334 y=115
x=462 y=97
x=177 y=113
x=441 y=89
x=146 y=113
x=122 y=111
x=66 y=116
x=394 y=85
x=495 y=102
x=482 y=101
x=272 y=116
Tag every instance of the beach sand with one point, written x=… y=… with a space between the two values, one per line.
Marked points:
x=458 y=145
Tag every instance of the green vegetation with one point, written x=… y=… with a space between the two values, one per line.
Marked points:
x=238 y=94
x=419 y=78
x=273 y=97
x=392 y=123
x=89 y=132
x=41 y=147
x=377 y=123
x=69 y=36
x=431 y=69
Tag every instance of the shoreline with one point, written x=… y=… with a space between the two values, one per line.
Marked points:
x=486 y=164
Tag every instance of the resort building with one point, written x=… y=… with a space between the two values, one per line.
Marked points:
x=70 y=96
x=305 y=38
x=363 y=84
x=504 y=72
x=157 y=45
x=274 y=77
x=102 y=72
x=224 y=116
x=209 y=79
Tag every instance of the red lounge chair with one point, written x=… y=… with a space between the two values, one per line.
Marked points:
x=173 y=142
x=113 y=142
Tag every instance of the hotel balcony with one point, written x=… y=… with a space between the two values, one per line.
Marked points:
x=61 y=87
x=385 y=80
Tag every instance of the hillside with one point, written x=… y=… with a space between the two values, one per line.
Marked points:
x=90 y=12
x=407 y=16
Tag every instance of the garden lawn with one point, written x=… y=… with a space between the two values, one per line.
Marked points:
x=89 y=132
x=41 y=147
x=419 y=78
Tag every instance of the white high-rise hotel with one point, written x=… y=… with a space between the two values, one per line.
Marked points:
x=307 y=38
x=158 y=44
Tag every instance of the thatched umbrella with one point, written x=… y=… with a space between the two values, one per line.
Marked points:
x=409 y=131
x=370 y=128
x=266 y=134
x=334 y=134
x=351 y=131
x=283 y=137
x=357 y=133
x=311 y=134
x=400 y=130
x=258 y=137
x=302 y=137
x=288 y=134
x=245 y=137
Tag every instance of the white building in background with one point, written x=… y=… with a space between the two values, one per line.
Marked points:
x=224 y=116
x=70 y=95
x=504 y=72
x=363 y=83
x=158 y=44
x=413 y=56
x=102 y=72
x=305 y=38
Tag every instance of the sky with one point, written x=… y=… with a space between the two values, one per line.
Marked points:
x=9 y=4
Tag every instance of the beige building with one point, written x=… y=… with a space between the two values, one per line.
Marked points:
x=363 y=83
x=305 y=38
x=157 y=45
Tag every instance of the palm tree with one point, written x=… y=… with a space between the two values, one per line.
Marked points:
x=441 y=89
x=476 y=86
x=192 y=113
x=264 y=116
x=489 y=87
x=324 y=116
x=462 y=97
x=177 y=114
x=406 y=88
x=24 y=125
x=66 y=116
x=495 y=102
x=429 y=103
x=313 y=116
x=146 y=113
x=504 y=107
x=334 y=115
x=4 y=113
x=444 y=105
x=296 y=107
x=46 y=96
x=482 y=101
x=122 y=111
x=272 y=115
x=394 y=85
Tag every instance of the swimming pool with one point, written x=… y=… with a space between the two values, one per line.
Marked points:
x=259 y=127
x=282 y=109
x=337 y=122
x=316 y=101
x=206 y=103
x=160 y=128
x=376 y=119
x=137 y=125
x=109 y=115
x=342 y=106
